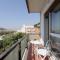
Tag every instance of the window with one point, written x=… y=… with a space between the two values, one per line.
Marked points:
x=56 y=22
x=55 y=29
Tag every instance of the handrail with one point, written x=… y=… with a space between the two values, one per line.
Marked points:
x=5 y=53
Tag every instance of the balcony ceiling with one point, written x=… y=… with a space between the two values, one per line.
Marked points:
x=36 y=6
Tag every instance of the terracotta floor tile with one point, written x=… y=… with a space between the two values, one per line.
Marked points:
x=30 y=55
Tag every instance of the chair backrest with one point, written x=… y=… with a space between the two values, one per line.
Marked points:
x=42 y=41
x=48 y=44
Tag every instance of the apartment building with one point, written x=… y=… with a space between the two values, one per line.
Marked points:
x=49 y=19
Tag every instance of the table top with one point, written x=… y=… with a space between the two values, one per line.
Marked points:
x=43 y=52
x=40 y=41
x=35 y=42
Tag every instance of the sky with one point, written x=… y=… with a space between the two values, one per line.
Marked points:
x=14 y=13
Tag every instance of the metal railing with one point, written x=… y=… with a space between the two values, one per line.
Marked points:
x=16 y=51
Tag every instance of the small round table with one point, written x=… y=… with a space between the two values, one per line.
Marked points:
x=43 y=54
x=35 y=45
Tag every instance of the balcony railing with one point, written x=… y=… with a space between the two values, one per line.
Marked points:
x=16 y=51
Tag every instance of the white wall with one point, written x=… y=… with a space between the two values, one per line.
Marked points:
x=42 y=25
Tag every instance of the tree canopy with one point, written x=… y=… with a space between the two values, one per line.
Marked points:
x=37 y=25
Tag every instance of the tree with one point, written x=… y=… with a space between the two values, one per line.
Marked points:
x=37 y=25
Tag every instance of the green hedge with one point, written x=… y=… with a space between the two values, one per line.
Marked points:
x=10 y=39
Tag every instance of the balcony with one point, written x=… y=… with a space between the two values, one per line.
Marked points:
x=26 y=48
x=18 y=50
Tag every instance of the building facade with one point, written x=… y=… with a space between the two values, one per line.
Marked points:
x=49 y=19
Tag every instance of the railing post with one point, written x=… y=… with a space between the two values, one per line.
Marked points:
x=20 y=51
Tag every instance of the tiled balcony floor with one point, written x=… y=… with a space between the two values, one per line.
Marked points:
x=31 y=56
